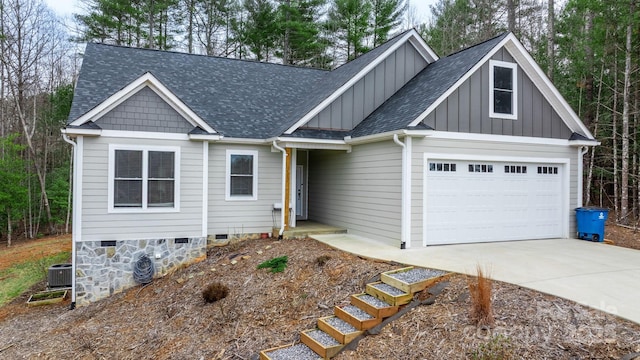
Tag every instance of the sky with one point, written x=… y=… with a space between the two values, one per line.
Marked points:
x=68 y=7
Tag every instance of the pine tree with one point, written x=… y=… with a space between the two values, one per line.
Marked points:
x=300 y=30
x=387 y=15
x=349 y=21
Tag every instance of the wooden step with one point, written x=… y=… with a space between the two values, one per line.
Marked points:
x=414 y=287
x=350 y=314
x=303 y=352
x=385 y=309
x=343 y=331
x=398 y=297
x=321 y=342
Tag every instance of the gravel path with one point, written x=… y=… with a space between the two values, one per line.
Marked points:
x=323 y=338
x=295 y=352
x=393 y=291
x=357 y=312
x=373 y=301
x=417 y=274
x=341 y=325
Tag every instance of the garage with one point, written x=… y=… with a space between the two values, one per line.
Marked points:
x=469 y=201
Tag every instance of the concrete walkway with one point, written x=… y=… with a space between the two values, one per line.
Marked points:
x=600 y=276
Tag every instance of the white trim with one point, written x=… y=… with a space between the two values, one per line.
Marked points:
x=362 y=73
x=292 y=188
x=111 y=209
x=514 y=91
x=76 y=131
x=566 y=180
x=205 y=137
x=205 y=188
x=582 y=143
x=531 y=69
x=423 y=49
x=406 y=201
x=306 y=140
x=146 y=80
x=124 y=134
x=497 y=138
x=404 y=191
x=227 y=181
x=581 y=152
x=245 y=141
x=77 y=215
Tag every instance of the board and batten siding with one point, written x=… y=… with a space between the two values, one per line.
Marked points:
x=366 y=95
x=145 y=111
x=484 y=148
x=467 y=108
x=99 y=224
x=238 y=217
x=360 y=191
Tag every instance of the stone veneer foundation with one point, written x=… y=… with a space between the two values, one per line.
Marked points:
x=102 y=271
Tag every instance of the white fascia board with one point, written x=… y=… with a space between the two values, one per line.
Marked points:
x=205 y=137
x=86 y=132
x=548 y=90
x=308 y=143
x=144 y=135
x=581 y=143
x=243 y=141
x=326 y=102
x=386 y=135
x=146 y=80
x=449 y=135
x=423 y=48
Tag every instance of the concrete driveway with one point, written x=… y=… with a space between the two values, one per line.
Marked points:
x=600 y=276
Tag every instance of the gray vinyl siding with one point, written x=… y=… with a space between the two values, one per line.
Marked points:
x=98 y=224
x=360 y=190
x=360 y=100
x=467 y=109
x=244 y=216
x=479 y=148
x=145 y=111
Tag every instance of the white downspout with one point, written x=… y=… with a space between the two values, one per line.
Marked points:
x=284 y=187
x=581 y=152
x=73 y=226
x=403 y=220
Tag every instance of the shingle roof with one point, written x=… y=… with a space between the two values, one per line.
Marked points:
x=237 y=98
x=423 y=90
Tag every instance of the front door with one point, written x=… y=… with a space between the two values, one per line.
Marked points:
x=301 y=198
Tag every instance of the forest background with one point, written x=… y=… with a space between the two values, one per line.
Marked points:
x=588 y=48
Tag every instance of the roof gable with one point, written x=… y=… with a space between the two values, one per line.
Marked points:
x=346 y=76
x=145 y=81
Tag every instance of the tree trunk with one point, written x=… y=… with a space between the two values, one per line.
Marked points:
x=614 y=126
x=595 y=134
x=9 y=228
x=624 y=196
x=286 y=46
x=588 y=113
x=551 y=41
x=511 y=15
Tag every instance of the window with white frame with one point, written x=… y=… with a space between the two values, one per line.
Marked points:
x=143 y=178
x=503 y=82
x=242 y=175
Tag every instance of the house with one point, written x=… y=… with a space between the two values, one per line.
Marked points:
x=397 y=145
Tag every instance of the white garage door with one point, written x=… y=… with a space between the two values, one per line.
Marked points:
x=482 y=201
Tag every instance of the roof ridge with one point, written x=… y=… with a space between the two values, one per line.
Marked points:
x=480 y=43
x=208 y=56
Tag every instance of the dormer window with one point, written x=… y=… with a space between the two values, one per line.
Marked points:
x=503 y=83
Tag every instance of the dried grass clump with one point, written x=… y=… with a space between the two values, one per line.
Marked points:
x=480 y=291
x=214 y=292
x=322 y=260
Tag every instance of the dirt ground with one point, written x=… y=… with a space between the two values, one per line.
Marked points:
x=25 y=250
x=169 y=319
x=621 y=236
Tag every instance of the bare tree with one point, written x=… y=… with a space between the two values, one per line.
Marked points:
x=624 y=195
x=551 y=35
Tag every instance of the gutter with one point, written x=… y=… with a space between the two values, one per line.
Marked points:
x=73 y=227
x=403 y=228
x=284 y=187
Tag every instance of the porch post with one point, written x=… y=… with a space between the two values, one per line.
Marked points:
x=287 y=191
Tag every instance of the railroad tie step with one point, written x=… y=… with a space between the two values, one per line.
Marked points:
x=357 y=317
x=373 y=306
x=289 y=352
x=321 y=343
x=412 y=280
x=388 y=293
x=338 y=329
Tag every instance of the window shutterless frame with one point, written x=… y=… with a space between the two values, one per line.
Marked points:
x=245 y=171
x=503 y=90
x=145 y=178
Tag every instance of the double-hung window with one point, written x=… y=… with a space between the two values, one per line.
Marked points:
x=143 y=178
x=503 y=81
x=242 y=175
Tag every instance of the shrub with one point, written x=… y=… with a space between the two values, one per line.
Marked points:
x=214 y=292
x=480 y=291
x=276 y=264
x=322 y=259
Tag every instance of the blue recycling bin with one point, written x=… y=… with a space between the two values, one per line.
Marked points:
x=590 y=223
